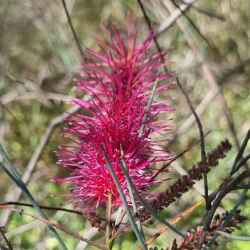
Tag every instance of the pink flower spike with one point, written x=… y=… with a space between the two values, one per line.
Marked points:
x=118 y=80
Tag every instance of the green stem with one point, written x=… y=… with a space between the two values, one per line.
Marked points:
x=125 y=203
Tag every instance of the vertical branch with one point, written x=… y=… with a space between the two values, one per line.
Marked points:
x=133 y=188
x=152 y=212
x=151 y=29
x=208 y=74
x=240 y=153
x=130 y=190
x=108 y=218
x=124 y=200
x=209 y=44
x=197 y=119
x=241 y=200
x=202 y=140
x=149 y=104
x=77 y=41
x=5 y=238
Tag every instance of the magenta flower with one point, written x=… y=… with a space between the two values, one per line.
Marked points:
x=119 y=81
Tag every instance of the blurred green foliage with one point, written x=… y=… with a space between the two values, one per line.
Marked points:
x=38 y=57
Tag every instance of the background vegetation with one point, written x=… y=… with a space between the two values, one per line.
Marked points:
x=209 y=50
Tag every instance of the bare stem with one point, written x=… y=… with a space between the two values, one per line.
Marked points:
x=72 y=28
x=108 y=218
x=130 y=185
x=124 y=200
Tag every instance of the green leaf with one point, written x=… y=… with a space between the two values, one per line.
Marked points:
x=12 y=172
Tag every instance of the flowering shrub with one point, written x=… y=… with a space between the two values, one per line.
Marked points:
x=121 y=118
x=110 y=148
x=112 y=131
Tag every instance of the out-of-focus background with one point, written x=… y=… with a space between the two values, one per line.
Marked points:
x=209 y=50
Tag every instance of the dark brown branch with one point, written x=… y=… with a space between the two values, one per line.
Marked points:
x=149 y=209
x=230 y=215
x=178 y=156
x=77 y=41
x=151 y=29
x=194 y=26
x=198 y=121
x=240 y=153
x=214 y=83
x=227 y=186
x=202 y=139
x=96 y=221
x=197 y=238
x=8 y=203
x=5 y=239
x=185 y=182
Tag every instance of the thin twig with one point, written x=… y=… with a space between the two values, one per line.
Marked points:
x=146 y=205
x=208 y=74
x=59 y=227
x=77 y=41
x=8 y=203
x=189 y=19
x=148 y=107
x=13 y=174
x=240 y=153
x=178 y=156
x=200 y=109
x=212 y=94
x=124 y=200
x=108 y=218
x=15 y=193
x=152 y=212
x=23 y=228
x=178 y=218
x=198 y=121
x=241 y=200
x=234 y=237
x=174 y=17
x=223 y=190
x=130 y=185
x=243 y=162
x=5 y=239
x=150 y=27
x=202 y=139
